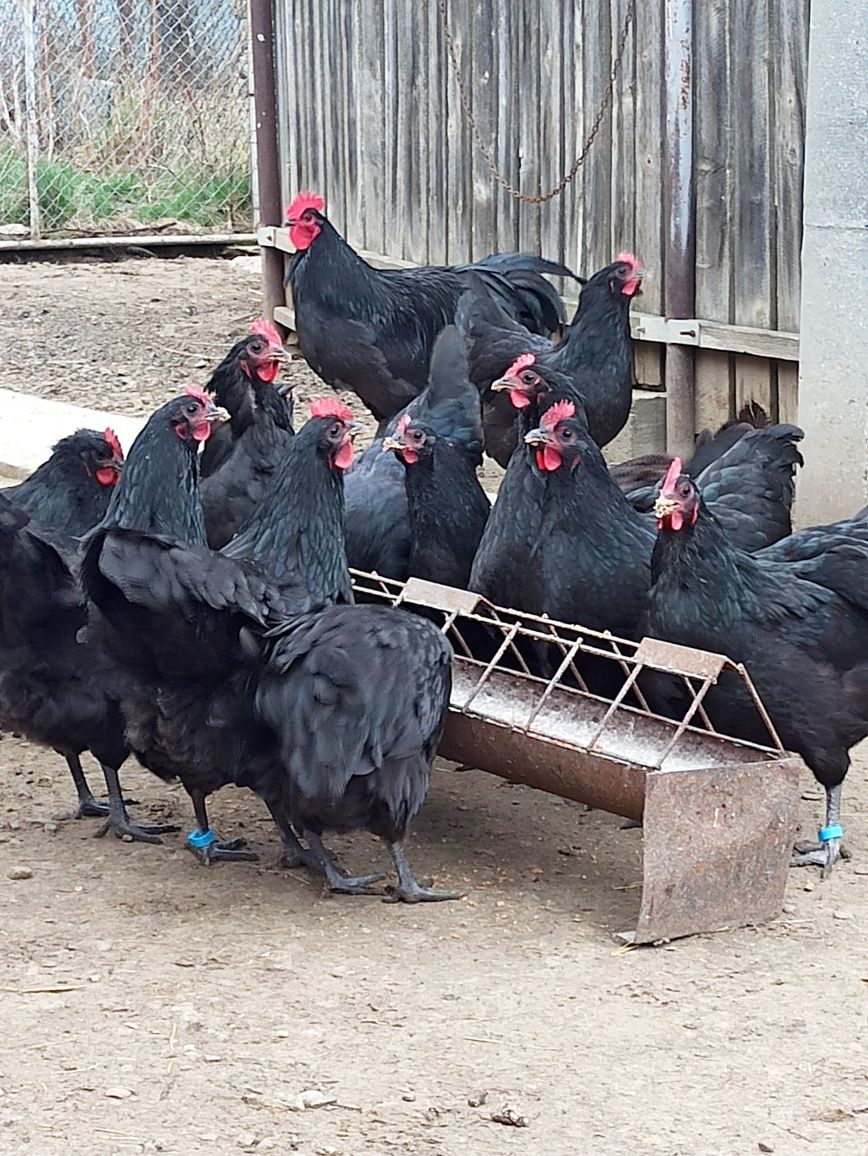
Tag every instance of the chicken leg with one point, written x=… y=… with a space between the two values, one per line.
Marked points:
x=205 y=845
x=119 y=821
x=337 y=879
x=830 y=847
x=408 y=890
x=294 y=853
x=88 y=806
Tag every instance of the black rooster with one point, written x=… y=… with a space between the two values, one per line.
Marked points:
x=256 y=357
x=595 y=355
x=71 y=491
x=795 y=614
x=372 y=330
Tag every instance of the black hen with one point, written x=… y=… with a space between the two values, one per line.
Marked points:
x=448 y=508
x=377 y=516
x=795 y=614
x=71 y=491
x=58 y=687
x=180 y=620
x=595 y=355
x=357 y=696
x=256 y=357
x=373 y=330
x=235 y=490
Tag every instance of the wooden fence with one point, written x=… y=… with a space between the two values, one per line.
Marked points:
x=370 y=115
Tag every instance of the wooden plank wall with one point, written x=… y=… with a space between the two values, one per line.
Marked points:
x=370 y=116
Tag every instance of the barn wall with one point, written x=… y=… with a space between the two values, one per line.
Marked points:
x=370 y=115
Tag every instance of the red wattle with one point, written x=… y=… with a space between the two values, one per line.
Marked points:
x=410 y=457
x=268 y=371
x=107 y=476
x=551 y=459
x=519 y=400
x=344 y=456
x=201 y=432
x=676 y=519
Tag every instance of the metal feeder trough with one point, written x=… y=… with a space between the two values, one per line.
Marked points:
x=718 y=814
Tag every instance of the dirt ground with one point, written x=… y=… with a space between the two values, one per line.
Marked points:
x=152 y=1005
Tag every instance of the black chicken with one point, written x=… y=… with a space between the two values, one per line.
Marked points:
x=57 y=686
x=232 y=493
x=595 y=355
x=255 y=358
x=448 y=508
x=377 y=516
x=181 y=620
x=795 y=614
x=372 y=330
x=71 y=491
x=357 y=696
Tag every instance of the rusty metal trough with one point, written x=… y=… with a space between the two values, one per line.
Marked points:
x=718 y=814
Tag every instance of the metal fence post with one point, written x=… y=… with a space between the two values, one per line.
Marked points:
x=31 y=114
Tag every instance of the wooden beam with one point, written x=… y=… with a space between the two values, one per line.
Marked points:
x=646 y=327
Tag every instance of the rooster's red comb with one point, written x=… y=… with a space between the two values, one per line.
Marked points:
x=302 y=202
x=403 y=422
x=560 y=411
x=262 y=327
x=630 y=259
x=199 y=394
x=331 y=407
x=114 y=444
x=520 y=363
x=676 y=469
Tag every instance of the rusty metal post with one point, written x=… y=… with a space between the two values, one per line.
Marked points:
x=679 y=298
x=267 y=156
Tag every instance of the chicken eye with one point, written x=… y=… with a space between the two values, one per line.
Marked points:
x=191 y=408
x=528 y=378
x=685 y=490
x=567 y=434
x=336 y=430
x=417 y=435
x=256 y=347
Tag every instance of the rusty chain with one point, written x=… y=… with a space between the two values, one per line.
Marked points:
x=483 y=147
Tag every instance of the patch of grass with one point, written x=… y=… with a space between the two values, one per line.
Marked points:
x=73 y=196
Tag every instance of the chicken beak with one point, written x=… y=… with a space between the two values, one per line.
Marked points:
x=392 y=445
x=537 y=437
x=504 y=383
x=218 y=414
x=355 y=427
x=664 y=506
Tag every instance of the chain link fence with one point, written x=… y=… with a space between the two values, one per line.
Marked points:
x=123 y=117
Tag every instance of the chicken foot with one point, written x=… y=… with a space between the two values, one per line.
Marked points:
x=336 y=878
x=204 y=843
x=408 y=890
x=119 y=821
x=831 y=846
